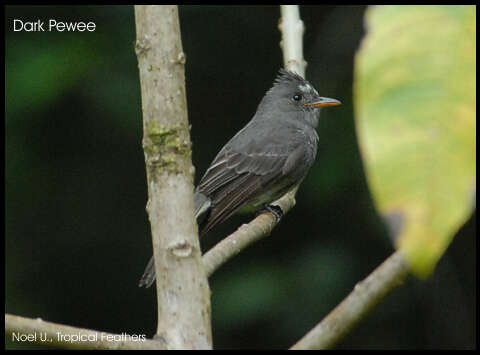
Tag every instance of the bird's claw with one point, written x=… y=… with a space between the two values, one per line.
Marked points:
x=275 y=210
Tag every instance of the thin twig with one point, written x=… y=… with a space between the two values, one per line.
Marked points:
x=366 y=294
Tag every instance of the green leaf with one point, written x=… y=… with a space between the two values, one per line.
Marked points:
x=415 y=105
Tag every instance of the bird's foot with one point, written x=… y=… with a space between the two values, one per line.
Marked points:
x=275 y=210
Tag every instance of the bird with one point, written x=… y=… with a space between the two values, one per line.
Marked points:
x=267 y=158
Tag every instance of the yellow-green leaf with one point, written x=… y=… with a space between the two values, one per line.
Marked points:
x=415 y=106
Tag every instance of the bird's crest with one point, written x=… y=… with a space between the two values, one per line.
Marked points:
x=286 y=76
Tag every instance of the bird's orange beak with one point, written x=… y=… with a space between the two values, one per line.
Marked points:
x=324 y=102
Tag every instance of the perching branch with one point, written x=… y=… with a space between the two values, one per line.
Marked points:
x=366 y=294
x=182 y=288
x=247 y=234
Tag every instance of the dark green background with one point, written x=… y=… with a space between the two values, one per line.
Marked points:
x=77 y=234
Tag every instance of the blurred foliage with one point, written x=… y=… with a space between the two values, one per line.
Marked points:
x=416 y=107
x=77 y=235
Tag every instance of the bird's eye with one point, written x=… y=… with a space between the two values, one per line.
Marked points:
x=297 y=97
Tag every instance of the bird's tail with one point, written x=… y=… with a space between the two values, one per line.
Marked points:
x=202 y=206
x=148 y=275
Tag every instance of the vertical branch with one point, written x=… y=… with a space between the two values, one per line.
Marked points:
x=182 y=288
x=292 y=28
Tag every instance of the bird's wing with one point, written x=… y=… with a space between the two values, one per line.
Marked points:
x=229 y=166
x=246 y=168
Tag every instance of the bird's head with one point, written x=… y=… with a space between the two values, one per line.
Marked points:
x=292 y=94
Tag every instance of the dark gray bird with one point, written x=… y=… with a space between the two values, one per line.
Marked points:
x=263 y=161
